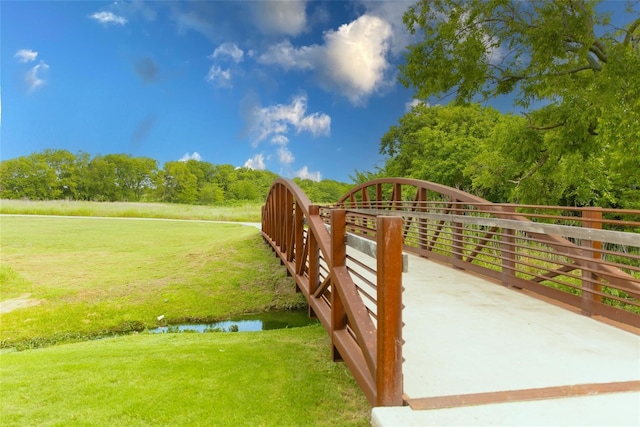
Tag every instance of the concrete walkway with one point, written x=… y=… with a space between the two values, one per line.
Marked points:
x=466 y=335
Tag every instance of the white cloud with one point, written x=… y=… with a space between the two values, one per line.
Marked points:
x=285 y=156
x=289 y=57
x=25 y=55
x=108 y=18
x=392 y=11
x=230 y=50
x=305 y=174
x=352 y=61
x=195 y=156
x=256 y=162
x=408 y=106
x=280 y=119
x=280 y=140
x=356 y=56
x=281 y=17
x=219 y=77
x=33 y=78
x=276 y=121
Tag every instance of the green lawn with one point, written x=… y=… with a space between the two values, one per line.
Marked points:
x=274 y=378
x=91 y=277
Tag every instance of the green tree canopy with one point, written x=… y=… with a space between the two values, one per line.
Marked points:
x=438 y=143
x=574 y=74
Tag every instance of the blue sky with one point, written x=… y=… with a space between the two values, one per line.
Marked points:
x=300 y=88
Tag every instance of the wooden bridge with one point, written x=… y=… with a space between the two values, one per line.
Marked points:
x=438 y=300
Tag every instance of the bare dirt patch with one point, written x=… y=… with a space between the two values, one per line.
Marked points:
x=23 y=301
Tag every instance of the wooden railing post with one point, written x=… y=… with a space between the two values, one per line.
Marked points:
x=283 y=219
x=389 y=303
x=457 y=237
x=298 y=229
x=593 y=217
x=278 y=213
x=338 y=259
x=289 y=236
x=314 y=258
x=396 y=197
x=423 y=223
x=508 y=247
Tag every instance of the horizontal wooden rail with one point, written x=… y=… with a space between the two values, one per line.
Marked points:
x=611 y=236
x=370 y=247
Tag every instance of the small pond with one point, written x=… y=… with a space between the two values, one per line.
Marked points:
x=248 y=323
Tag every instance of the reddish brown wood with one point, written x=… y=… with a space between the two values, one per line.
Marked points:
x=298 y=230
x=314 y=255
x=423 y=230
x=396 y=196
x=389 y=290
x=592 y=218
x=455 y=401
x=508 y=249
x=457 y=243
x=338 y=259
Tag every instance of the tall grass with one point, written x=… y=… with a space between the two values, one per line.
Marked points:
x=241 y=212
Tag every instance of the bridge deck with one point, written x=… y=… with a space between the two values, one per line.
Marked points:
x=466 y=335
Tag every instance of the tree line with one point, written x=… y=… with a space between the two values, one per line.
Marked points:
x=54 y=174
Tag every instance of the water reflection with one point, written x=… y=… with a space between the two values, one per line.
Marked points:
x=251 y=323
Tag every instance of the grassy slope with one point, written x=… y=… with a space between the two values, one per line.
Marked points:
x=273 y=378
x=94 y=276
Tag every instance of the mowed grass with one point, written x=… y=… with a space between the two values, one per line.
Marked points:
x=240 y=212
x=96 y=277
x=92 y=277
x=273 y=378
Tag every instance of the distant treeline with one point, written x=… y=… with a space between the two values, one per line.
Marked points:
x=60 y=174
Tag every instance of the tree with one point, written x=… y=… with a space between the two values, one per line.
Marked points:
x=438 y=143
x=100 y=180
x=63 y=163
x=251 y=184
x=497 y=174
x=211 y=194
x=132 y=175
x=576 y=76
x=28 y=177
x=179 y=184
x=224 y=176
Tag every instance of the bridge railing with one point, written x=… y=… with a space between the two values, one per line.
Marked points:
x=588 y=258
x=356 y=298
